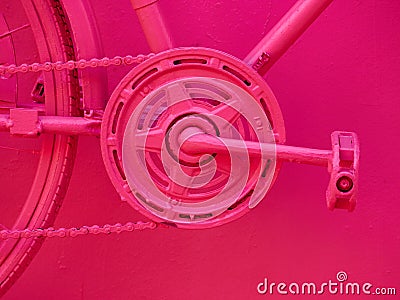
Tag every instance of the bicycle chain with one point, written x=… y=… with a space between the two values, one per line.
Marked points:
x=9 y=70
x=71 y=64
x=76 y=231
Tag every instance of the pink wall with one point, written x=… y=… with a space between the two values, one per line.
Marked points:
x=343 y=74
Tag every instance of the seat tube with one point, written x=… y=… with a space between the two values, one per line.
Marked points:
x=153 y=25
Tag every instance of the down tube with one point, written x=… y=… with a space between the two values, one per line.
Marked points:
x=285 y=33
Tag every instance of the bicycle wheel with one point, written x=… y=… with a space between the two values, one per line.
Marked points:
x=35 y=30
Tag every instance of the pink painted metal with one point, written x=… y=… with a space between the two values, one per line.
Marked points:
x=342 y=161
x=169 y=68
x=149 y=78
x=28 y=123
x=343 y=186
x=88 y=45
x=200 y=188
x=205 y=143
x=23 y=122
x=7 y=87
x=153 y=25
x=42 y=33
x=38 y=93
x=351 y=54
x=70 y=65
x=15 y=234
x=69 y=125
x=289 y=28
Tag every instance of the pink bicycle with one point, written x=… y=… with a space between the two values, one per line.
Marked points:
x=191 y=137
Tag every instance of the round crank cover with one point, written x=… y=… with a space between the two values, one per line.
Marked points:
x=153 y=138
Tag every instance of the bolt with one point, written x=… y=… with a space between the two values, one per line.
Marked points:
x=344 y=184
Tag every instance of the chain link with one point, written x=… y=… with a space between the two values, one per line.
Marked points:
x=76 y=231
x=6 y=71
x=71 y=64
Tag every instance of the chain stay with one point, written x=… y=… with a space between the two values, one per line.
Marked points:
x=6 y=234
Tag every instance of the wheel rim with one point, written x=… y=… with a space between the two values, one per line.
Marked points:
x=53 y=155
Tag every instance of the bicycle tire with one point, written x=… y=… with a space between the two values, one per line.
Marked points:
x=53 y=38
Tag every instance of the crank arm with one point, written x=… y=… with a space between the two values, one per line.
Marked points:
x=342 y=161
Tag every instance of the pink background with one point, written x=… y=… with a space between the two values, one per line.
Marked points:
x=343 y=74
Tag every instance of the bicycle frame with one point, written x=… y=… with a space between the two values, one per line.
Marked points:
x=264 y=54
x=28 y=122
x=200 y=93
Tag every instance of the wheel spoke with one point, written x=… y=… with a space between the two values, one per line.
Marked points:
x=33 y=151
x=5 y=34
